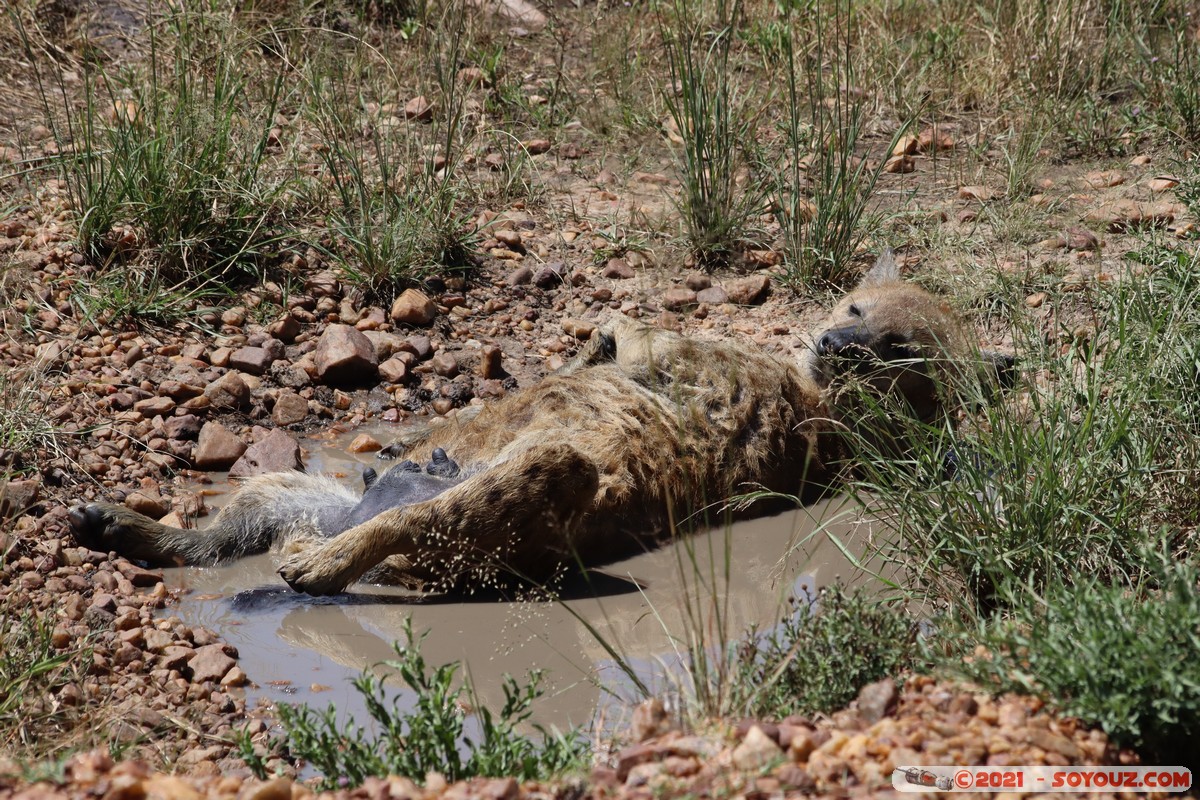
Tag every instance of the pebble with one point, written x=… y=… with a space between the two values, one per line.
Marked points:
x=413 y=307
x=276 y=452
x=218 y=448
x=345 y=356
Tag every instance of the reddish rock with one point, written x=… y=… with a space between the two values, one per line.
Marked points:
x=228 y=392
x=617 y=268
x=217 y=448
x=251 y=360
x=210 y=663
x=678 y=298
x=490 y=363
x=154 y=406
x=186 y=427
x=749 y=290
x=394 y=370
x=147 y=502
x=445 y=365
x=413 y=308
x=277 y=452
x=365 y=443
x=418 y=109
x=289 y=409
x=578 y=328
x=345 y=356
x=713 y=296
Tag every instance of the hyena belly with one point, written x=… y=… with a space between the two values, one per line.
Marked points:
x=282 y=512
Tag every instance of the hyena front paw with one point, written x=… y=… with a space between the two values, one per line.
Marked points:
x=319 y=571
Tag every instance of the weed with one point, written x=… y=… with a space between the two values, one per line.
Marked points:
x=170 y=165
x=1122 y=657
x=431 y=737
x=710 y=114
x=818 y=658
x=823 y=131
x=33 y=724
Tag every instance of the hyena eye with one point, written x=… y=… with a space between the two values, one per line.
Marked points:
x=855 y=311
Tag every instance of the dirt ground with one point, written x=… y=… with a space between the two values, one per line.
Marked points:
x=142 y=407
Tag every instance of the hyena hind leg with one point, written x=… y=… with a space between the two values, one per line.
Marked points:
x=262 y=514
x=518 y=517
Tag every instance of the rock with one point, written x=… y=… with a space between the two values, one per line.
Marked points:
x=186 y=427
x=877 y=700
x=521 y=276
x=511 y=239
x=697 y=281
x=1103 y=179
x=210 y=663
x=365 y=443
x=277 y=452
x=1162 y=183
x=285 y=329
x=251 y=360
x=235 y=677
x=635 y=755
x=1078 y=238
x=217 y=448
x=618 y=269
x=933 y=139
x=1128 y=215
x=418 y=109
x=147 y=502
x=490 y=363
x=445 y=364
x=649 y=720
x=1036 y=299
x=394 y=370
x=756 y=751
x=550 y=276
x=749 y=290
x=535 y=147
x=713 y=296
x=139 y=576
x=578 y=328
x=796 y=779
x=762 y=259
x=289 y=409
x=413 y=307
x=228 y=392
x=979 y=193
x=155 y=406
x=902 y=164
x=345 y=356
x=678 y=298
x=419 y=346
x=17 y=497
x=520 y=14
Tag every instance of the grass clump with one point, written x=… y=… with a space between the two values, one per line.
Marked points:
x=710 y=112
x=433 y=737
x=34 y=725
x=165 y=165
x=817 y=661
x=1119 y=656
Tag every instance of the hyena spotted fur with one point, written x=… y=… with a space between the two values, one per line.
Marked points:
x=643 y=428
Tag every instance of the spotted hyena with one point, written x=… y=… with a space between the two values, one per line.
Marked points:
x=643 y=428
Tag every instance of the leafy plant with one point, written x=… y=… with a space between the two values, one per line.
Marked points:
x=431 y=737
x=817 y=659
x=1123 y=657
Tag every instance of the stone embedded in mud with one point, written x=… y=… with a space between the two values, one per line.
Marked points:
x=713 y=296
x=217 y=448
x=521 y=276
x=289 y=409
x=413 y=308
x=228 y=391
x=277 y=452
x=551 y=276
x=617 y=268
x=345 y=355
x=364 y=443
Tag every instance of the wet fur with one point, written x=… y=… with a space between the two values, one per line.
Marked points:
x=644 y=428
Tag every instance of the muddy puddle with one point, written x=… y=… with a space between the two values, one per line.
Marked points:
x=301 y=649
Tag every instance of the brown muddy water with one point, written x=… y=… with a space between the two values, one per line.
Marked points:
x=300 y=649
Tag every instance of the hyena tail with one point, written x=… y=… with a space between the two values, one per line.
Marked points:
x=266 y=512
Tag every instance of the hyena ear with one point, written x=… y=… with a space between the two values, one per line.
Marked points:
x=885 y=270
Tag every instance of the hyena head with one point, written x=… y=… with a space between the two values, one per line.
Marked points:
x=893 y=341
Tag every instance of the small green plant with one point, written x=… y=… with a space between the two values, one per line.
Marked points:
x=33 y=725
x=711 y=115
x=433 y=736
x=1123 y=657
x=818 y=658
